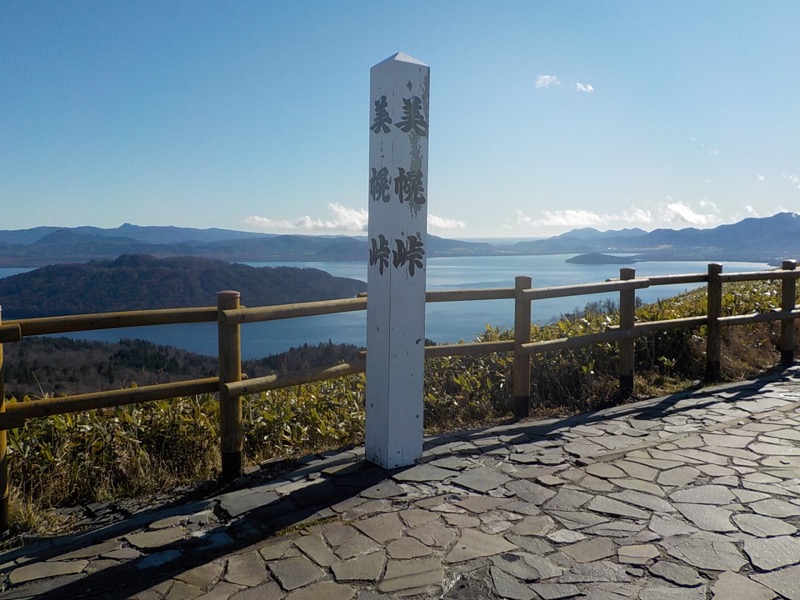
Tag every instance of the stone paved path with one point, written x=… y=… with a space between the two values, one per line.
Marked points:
x=695 y=496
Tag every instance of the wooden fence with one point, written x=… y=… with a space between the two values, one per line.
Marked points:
x=229 y=316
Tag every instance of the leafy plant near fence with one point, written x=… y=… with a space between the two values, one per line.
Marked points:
x=139 y=449
x=461 y=389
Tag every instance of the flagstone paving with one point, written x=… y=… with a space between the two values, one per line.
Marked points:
x=695 y=495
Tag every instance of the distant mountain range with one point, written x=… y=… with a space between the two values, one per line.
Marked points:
x=769 y=239
x=42 y=246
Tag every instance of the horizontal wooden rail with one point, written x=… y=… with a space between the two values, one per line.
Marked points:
x=16 y=414
x=114 y=320
x=472 y=294
x=463 y=295
x=10 y=333
x=604 y=337
x=772 y=315
x=676 y=279
x=291 y=311
x=686 y=322
x=759 y=275
x=614 y=333
x=562 y=291
x=272 y=382
x=469 y=349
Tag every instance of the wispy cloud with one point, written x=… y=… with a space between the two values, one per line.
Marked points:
x=703 y=147
x=445 y=224
x=666 y=214
x=571 y=218
x=709 y=205
x=552 y=81
x=546 y=81
x=680 y=212
x=343 y=220
x=563 y=218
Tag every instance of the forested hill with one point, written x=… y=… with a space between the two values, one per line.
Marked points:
x=137 y=282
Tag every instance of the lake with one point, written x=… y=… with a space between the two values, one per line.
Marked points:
x=445 y=322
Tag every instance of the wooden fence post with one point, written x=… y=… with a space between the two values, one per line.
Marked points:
x=522 y=335
x=713 y=327
x=627 y=320
x=788 y=301
x=4 y=514
x=230 y=407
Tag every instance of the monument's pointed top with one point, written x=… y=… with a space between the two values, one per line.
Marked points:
x=403 y=57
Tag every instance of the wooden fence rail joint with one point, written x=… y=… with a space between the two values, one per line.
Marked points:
x=10 y=332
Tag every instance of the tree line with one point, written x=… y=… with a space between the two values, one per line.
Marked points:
x=55 y=366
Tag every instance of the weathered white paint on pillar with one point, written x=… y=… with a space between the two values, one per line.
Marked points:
x=398 y=209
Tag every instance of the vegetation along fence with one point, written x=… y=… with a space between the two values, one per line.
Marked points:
x=230 y=315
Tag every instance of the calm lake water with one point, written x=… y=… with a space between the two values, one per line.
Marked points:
x=445 y=322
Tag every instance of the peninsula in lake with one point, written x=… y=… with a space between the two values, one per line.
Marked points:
x=598 y=258
x=142 y=282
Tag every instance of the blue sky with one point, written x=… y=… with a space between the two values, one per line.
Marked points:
x=544 y=116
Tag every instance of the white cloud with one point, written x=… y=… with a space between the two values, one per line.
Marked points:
x=344 y=219
x=670 y=214
x=760 y=177
x=704 y=203
x=681 y=212
x=639 y=217
x=571 y=218
x=546 y=81
x=562 y=218
x=443 y=223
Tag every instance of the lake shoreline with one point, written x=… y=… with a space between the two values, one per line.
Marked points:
x=445 y=322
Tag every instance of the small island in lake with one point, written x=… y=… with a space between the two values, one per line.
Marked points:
x=596 y=258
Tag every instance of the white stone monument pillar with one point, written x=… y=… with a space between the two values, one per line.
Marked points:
x=398 y=209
